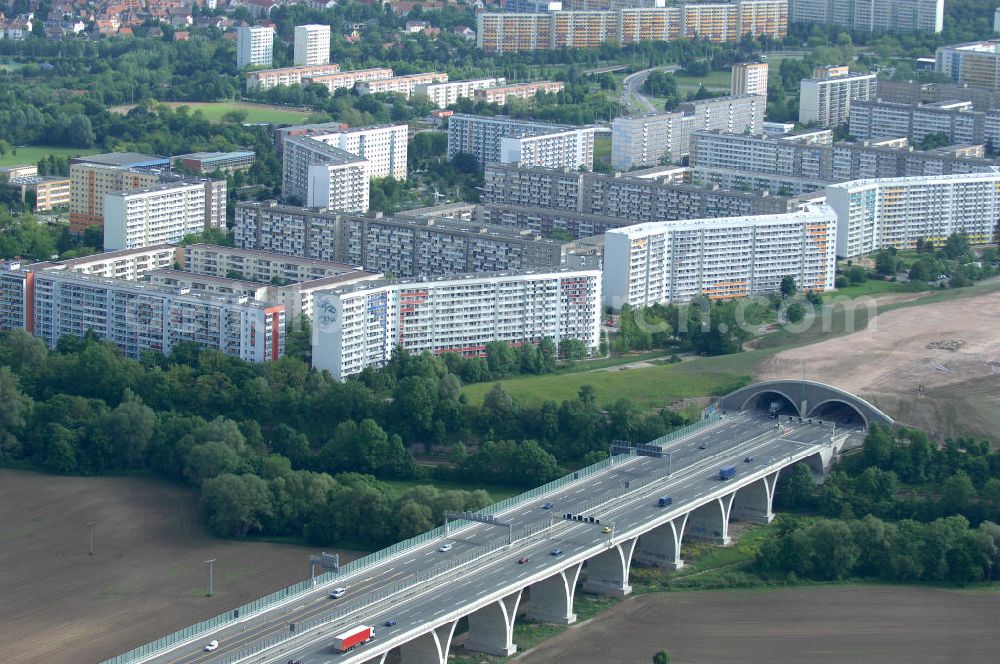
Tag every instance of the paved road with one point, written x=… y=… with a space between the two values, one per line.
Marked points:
x=632 y=86
x=695 y=475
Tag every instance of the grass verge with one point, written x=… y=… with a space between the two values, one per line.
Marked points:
x=652 y=387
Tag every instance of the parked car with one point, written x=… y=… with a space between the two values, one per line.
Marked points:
x=445 y=548
x=211 y=645
x=337 y=593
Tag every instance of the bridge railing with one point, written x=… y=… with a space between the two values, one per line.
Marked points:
x=261 y=604
x=687 y=430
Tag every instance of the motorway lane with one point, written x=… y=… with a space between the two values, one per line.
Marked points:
x=684 y=451
x=576 y=538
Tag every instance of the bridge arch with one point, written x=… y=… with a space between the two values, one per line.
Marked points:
x=810 y=399
x=762 y=401
x=840 y=411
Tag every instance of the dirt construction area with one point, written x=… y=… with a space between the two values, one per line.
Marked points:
x=935 y=366
x=147 y=578
x=825 y=625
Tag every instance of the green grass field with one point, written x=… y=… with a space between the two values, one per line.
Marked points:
x=716 y=80
x=653 y=387
x=31 y=154
x=875 y=287
x=215 y=110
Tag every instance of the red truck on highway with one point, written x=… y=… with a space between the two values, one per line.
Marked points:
x=352 y=638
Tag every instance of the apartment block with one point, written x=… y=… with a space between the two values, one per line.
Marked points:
x=265 y=79
x=319 y=175
x=93 y=176
x=404 y=85
x=918 y=92
x=871 y=15
x=347 y=79
x=826 y=100
x=620 y=198
x=895 y=212
x=154 y=215
x=254 y=46
x=208 y=162
x=975 y=63
x=787 y=165
x=360 y=326
x=956 y=120
x=676 y=261
x=749 y=78
x=446 y=94
x=646 y=140
x=737 y=115
x=404 y=246
x=503 y=139
x=383 y=146
x=288 y=280
x=501 y=93
x=312 y=45
x=49 y=191
x=716 y=22
x=138 y=317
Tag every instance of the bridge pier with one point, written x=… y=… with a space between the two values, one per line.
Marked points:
x=661 y=547
x=552 y=598
x=429 y=648
x=753 y=502
x=607 y=572
x=711 y=521
x=491 y=628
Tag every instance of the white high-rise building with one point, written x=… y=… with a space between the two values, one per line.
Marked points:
x=826 y=98
x=154 y=215
x=254 y=46
x=723 y=258
x=896 y=212
x=59 y=301
x=749 y=78
x=359 y=326
x=503 y=139
x=871 y=15
x=315 y=174
x=312 y=45
x=384 y=147
x=646 y=140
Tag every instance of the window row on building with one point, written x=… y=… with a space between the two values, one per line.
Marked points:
x=675 y=261
x=716 y=22
x=360 y=326
x=895 y=212
x=503 y=139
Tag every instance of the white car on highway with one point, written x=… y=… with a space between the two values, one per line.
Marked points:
x=445 y=548
x=211 y=645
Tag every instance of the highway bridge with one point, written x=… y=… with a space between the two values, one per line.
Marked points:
x=583 y=532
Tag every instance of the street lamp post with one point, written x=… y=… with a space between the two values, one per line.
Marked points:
x=211 y=567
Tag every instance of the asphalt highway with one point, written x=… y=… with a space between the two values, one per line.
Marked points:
x=694 y=461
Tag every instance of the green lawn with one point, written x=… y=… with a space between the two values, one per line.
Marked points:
x=653 y=387
x=716 y=80
x=32 y=154
x=876 y=286
x=602 y=149
x=215 y=110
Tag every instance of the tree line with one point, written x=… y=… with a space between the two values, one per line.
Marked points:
x=274 y=448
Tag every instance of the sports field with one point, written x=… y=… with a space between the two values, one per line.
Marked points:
x=214 y=111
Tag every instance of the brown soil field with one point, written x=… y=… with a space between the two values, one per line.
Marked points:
x=146 y=578
x=893 y=363
x=869 y=624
